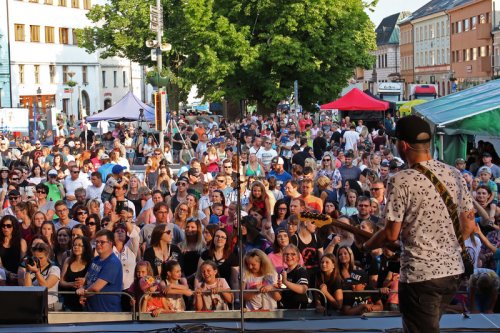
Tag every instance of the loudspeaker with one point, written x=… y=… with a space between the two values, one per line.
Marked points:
x=23 y=305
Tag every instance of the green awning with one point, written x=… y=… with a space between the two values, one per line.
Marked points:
x=473 y=111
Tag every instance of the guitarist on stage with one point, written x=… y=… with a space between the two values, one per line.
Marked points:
x=415 y=213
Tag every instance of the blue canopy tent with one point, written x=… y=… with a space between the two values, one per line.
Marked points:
x=126 y=109
x=474 y=111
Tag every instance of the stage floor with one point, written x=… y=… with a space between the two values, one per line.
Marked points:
x=449 y=323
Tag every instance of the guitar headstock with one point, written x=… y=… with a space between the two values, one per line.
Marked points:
x=318 y=219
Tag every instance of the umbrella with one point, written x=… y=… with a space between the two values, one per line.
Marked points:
x=405 y=109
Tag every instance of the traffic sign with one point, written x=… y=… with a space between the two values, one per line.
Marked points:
x=155 y=18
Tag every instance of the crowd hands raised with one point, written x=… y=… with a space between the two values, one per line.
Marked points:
x=77 y=219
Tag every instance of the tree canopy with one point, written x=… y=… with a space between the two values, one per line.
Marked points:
x=244 y=49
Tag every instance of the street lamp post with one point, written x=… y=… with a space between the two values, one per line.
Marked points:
x=35 y=109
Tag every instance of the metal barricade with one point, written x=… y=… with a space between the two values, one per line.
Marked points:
x=225 y=314
x=77 y=316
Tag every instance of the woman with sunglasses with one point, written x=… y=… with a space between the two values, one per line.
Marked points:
x=162 y=249
x=280 y=213
x=180 y=194
x=39 y=271
x=80 y=213
x=328 y=169
x=44 y=205
x=74 y=270
x=12 y=247
x=93 y=222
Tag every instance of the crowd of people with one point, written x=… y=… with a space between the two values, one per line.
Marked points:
x=76 y=218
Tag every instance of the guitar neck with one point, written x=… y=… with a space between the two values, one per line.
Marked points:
x=352 y=229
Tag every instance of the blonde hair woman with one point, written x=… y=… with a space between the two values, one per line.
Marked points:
x=328 y=170
x=259 y=273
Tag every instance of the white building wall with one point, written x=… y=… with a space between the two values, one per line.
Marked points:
x=431 y=40
x=29 y=54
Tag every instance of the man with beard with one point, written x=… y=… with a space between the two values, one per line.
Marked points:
x=415 y=213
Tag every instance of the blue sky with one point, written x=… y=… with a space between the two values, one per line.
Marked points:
x=388 y=7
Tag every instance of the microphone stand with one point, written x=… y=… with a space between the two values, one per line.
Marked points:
x=238 y=217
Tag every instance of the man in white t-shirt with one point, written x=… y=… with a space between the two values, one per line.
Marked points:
x=351 y=139
x=266 y=155
x=71 y=183
x=94 y=191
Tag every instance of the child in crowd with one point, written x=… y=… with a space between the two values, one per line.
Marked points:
x=172 y=287
x=211 y=291
x=217 y=212
x=115 y=179
x=259 y=273
x=153 y=303
x=142 y=269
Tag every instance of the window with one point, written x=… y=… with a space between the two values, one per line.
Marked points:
x=75 y=3
x=444 y=56
x=35 y=33
x=48 y=2
x=87 y=4
x=124 y=78
x=65 y=73
x=115 y=79
x=49 y=34
x=426 y=33
x=63 y=35
x=62 y=3
x=483 y=51
x=19 y=32
x=37 y=74
x=21 y=74
x=473 y=23
x=431 y=32
x=437 y=30
x=84 y=75
x=482 y=18
x=52 y=73
x=459 y=27
x=438 y=57
x=466 y=25
x=474 y=53
x=104 y=79
x=442 y=29
x=385 y=60
x=74 y=37
x=467 y=54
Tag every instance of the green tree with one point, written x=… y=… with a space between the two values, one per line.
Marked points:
x=244 y=49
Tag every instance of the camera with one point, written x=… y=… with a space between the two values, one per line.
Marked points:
x=33 y=261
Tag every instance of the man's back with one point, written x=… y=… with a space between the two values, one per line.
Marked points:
x=431 y=249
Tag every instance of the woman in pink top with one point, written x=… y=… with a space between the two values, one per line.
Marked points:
x=281 y=240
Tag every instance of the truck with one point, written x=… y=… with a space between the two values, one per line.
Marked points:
x=390 y=91
x=427 y=92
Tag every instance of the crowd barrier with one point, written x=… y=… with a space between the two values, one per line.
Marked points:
x=59 y=317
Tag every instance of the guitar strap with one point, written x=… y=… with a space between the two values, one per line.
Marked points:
x=449 y=203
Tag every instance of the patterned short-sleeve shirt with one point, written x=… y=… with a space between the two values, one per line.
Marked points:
x=430 y=247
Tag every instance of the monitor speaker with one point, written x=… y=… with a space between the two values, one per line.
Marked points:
x=23 y=305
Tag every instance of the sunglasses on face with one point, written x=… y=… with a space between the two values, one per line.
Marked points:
x=13 y=197
x=168 y=232
x=91 y=223
x=7 y=226
x=81 y=213
x=14 y=179
x=37 y=249
x=42 y=192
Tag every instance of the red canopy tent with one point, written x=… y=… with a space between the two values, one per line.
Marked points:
x=356 y=100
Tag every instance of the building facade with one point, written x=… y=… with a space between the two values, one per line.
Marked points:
x=406 y=53
x=496 y=39
x=51 y=72
x=5 y=87
x=472 y=43
x=387 y=56
x=431 y=35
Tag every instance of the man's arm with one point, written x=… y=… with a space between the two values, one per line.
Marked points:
x=388 y=234
x=467 y=223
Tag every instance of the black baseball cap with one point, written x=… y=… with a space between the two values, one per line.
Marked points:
x=410 y=127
